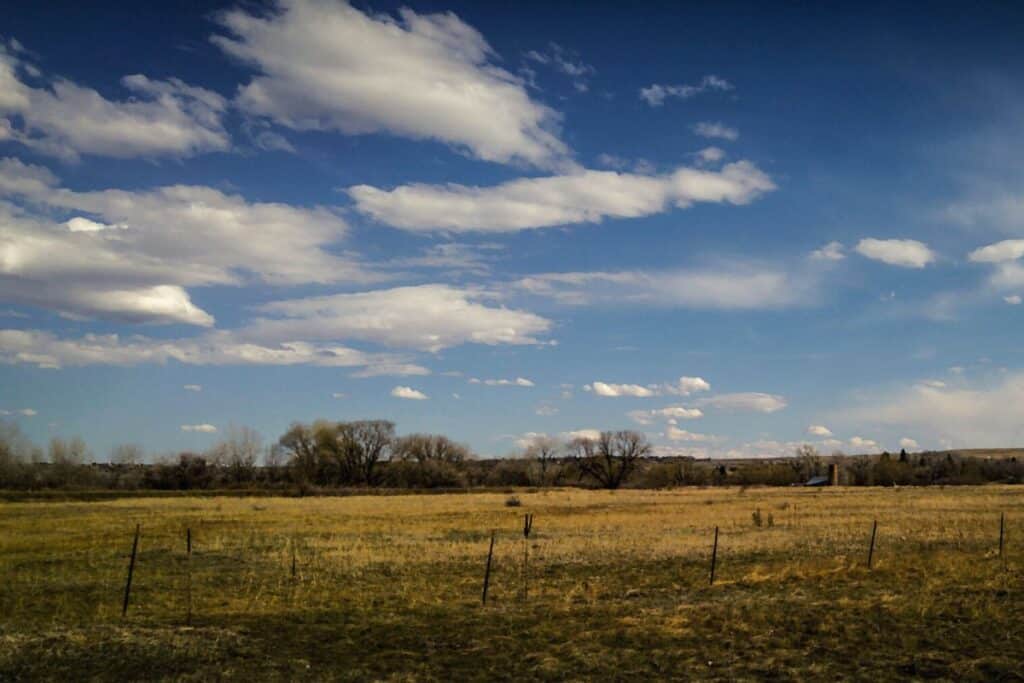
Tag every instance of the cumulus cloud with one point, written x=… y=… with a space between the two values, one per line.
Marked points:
x=673 y=433
x=711 y=155
x=619 y=390
x=424 y=317
x=863 y=445
x=655 y=94
x=61 y=118
x=684 y=386
x=47 y=350
x=408 y=393
x=517 y=382
x=819 y=430
x=24 y=412
x=128 y=255
x=325 y=65
x=980 y=414
x=909 y=444
x=903 y=253
x=204 y=428
x=726 y=286
x=587 y=196
x=833 y=251
x=1007 y=250
x=646 y=417
x=746 y=401
x=193 y=387
x=710 y=129
x=592 y=434
x=1012 y=299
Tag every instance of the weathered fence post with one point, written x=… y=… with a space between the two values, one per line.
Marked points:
x=871 y=548
x=188 y=573
x=527 y=528
x=487 y=571
x=714 y=558
x=131 y=570
x=1002 y=525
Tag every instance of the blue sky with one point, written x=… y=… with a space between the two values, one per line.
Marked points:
x=736 y=228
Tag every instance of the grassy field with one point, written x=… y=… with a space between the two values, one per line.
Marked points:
x=389 y=587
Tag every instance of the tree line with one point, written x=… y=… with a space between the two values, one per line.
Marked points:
x=325 y=456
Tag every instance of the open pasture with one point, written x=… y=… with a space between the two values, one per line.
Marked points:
x=389 y=587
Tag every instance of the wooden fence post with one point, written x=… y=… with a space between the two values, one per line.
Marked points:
x=871 y=548
x=131 y=571
x=188 y=573
x=527 y=528
x=487 y=571
x=1002 y=525
x=714 y=558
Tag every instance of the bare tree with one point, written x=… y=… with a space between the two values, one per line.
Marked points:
x=425 y=448
x=371 y=442
x=544 y=451
x=238 y=451
x=300 y=443
x=610 y=458
x=16 y=451
x=807 y=462
x=127 y=454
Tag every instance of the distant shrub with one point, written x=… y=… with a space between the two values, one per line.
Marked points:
x=513 y=502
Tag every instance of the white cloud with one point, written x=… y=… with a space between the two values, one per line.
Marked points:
x=675 y=434
x=453 y=257
x=408 y=393
x=193 y=387
x=592 y=434
x=527 y=439
x=63 y=119
x=24 y=412
x=588 y=196
x=656 y=94
x=424 y=317
x=646 y=417
x=1013 y=299
x=1003 y=211
x=80 y=224
x=338 y=394
x=863 y=445
x=819 y=430
x=711 y=154
x=566 y=62
x=517 y=382
x=684 y=386
x=709 y=129
x=972 y=414
x=619 y=390
x=1007 y=250
x=903 y=253
x=833 y=251
x=728 y=286
x=204 y=428
x=166 y=239
x=46 y=350
x=909 y=444
x=328 y=66
x=748 y=401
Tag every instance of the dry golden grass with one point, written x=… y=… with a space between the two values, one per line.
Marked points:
x=389 y=587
